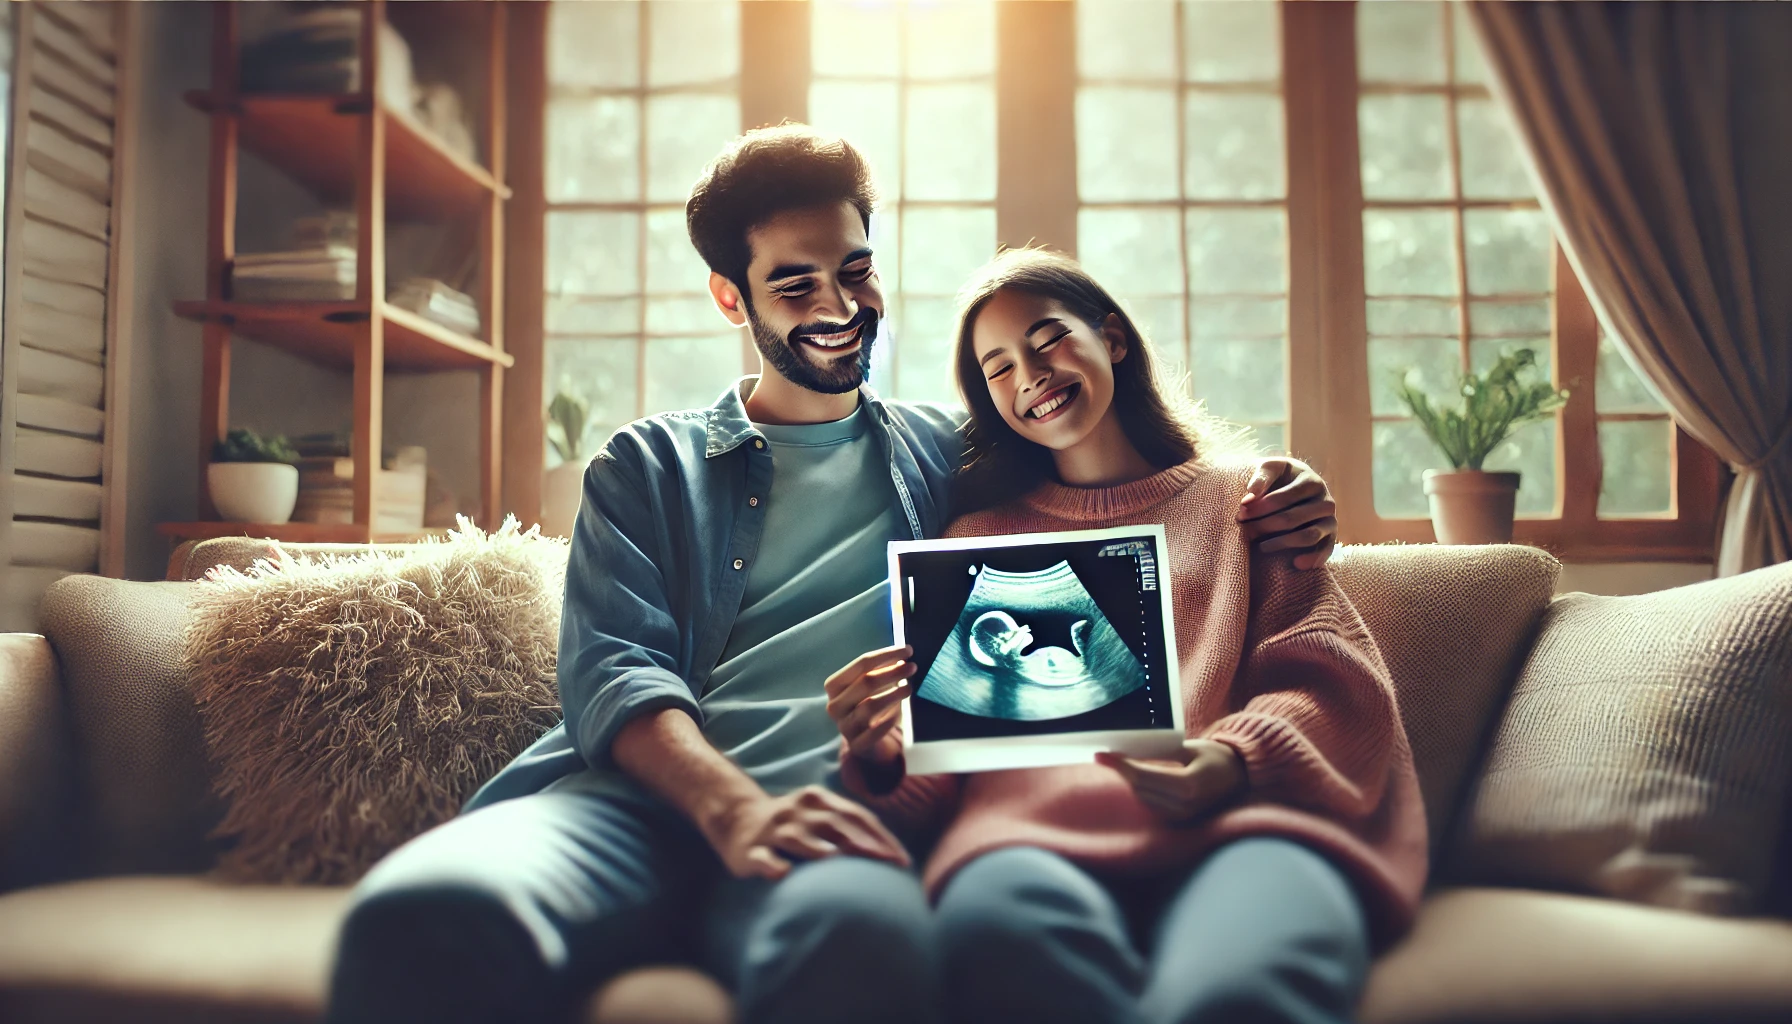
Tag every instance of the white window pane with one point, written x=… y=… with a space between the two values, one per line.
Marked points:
x=1237 y=252
x=1484 y=352
x=1132 y=251
x=583 y=314
x=683 y=314
x=1619 y=388
x=1433 y=365
x=1269 y=438
x=1235 y=148
x=594 y=149
x=1400 y=41
x=1509 y=318
x=1133 y=40
x=866 y=115
x=951 y=39
x=603 y=373
x=950 y=143
x=1242 y=380
x=594 y=44
x=594 y=253
x=684 y=131
x=1239 y=318
x=1531 y=451
x=1408 y=252
x=924 y=350
x=1410 y=317
x=886 y=247
x=1159 y=319
x=941 y=246
x=1508 y=251
x=1492 y=163
x=672 y=261
x=1638 y=468
x=1405 y=147
x=1237 y=41
x=854 y=39
x=690 y=373
x=1469 y=68
x=1402 y=455
x=1126 y=143
x=693 y=41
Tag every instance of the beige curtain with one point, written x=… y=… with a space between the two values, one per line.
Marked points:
x=1661 y=135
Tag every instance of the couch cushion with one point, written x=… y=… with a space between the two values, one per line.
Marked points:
x=1493 y=956
x=194 y=558
x=140 y=756
x=175 y=949
x=1646 y=751
x=1453 y=624
x=353 y=703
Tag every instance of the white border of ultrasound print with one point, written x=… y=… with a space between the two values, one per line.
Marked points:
x=997 y=753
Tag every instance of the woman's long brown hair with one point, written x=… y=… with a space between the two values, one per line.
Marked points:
x=1000 y=465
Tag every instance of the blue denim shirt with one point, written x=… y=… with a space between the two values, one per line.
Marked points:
x=668 y=526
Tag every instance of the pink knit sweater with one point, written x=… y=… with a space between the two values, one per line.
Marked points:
x=1275 y=663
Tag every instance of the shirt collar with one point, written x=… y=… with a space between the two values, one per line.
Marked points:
x=728 y=427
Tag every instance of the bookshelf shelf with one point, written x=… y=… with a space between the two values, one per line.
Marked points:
x=325 y=333
x=316 y=139
x=293 y=533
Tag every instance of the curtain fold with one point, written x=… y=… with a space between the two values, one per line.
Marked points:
x=1660 y=135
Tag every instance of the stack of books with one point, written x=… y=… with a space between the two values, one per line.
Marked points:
x=327 y=491
x=433 y=300
x=323 y=274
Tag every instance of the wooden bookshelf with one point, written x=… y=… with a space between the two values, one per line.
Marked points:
x=353 y=148
x=293 y=533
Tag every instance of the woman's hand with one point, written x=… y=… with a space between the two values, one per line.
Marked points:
x=1287 y=507
x=865 y=702
x=1179 y=793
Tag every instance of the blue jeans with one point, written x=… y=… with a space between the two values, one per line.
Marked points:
x=517 y=911
x=1263 y=930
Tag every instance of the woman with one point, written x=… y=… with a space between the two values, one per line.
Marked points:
x=1248 y=883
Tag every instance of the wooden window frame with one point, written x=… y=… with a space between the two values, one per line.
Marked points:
x=1329 y=422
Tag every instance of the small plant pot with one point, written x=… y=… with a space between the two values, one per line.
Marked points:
x=560 y=494
x=1471 y=506
x=253 y=492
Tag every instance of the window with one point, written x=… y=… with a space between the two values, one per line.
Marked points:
x=1295 y=200
x=913 y=86
x=1182 y=184
x=641 y=95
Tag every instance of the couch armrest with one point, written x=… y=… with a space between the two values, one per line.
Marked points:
x=36 y=782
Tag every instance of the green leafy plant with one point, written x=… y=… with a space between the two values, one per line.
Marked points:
x=569 y=419
x=1492 y=404
x=245 y=445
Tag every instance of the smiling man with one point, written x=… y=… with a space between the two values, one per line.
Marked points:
x=725 y=562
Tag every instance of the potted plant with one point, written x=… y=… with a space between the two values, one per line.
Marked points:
x=569 y=421
x=252 y=479
x=1470 y=505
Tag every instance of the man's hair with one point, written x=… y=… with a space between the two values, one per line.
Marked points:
x=763 y=173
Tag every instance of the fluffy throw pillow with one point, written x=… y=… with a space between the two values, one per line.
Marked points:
x=350 y=703
x=1646 y=750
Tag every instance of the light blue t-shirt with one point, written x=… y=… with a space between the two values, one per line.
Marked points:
x=816 y=597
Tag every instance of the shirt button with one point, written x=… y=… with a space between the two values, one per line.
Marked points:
x=739 y=563
x=759 y=442
x=754 y=502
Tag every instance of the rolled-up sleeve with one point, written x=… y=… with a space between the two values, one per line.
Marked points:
x=619 y=633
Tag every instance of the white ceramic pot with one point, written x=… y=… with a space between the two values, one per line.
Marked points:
x=561 y=490
x=253 y=492
x=1471 y=506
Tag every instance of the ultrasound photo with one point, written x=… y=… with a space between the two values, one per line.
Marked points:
x=1025 y=643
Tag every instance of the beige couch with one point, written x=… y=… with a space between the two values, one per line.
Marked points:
x=106 y=912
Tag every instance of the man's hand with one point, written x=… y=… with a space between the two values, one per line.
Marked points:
x=1287 y=507
x=757 y=838
x=865 y=702
x=1180 y=793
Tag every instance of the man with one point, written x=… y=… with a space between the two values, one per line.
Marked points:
x=725 y=562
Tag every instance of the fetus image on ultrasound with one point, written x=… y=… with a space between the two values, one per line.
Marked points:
x=1029 y=647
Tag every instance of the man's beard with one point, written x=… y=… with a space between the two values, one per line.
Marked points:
x=793 y=362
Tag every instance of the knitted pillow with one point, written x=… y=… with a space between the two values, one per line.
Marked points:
x=1646 y=751
x=351 y=703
